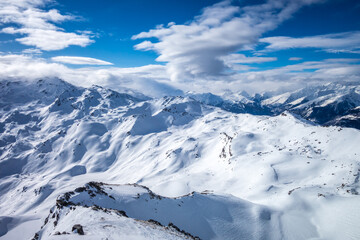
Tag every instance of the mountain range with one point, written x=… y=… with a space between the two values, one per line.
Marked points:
x=94 y=163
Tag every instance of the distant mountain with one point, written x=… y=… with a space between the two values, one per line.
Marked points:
x=241 y=104
x=329 y=104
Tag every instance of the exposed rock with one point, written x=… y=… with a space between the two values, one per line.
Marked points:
x=77 y=228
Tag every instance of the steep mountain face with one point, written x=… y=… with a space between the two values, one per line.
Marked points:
x=169 y=168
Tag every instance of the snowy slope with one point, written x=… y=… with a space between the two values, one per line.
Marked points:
x=204 y=214
x=261 y=177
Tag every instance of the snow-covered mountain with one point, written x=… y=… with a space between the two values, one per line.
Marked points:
x=336 y=104
x=111 y=165
x=329 y=104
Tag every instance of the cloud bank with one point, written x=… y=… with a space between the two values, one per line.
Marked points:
x=152 y=80
x=199 y=49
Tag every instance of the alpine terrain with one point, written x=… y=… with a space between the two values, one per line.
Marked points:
x=93 y=163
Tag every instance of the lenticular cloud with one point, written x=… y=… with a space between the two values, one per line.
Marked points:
x=198 y=49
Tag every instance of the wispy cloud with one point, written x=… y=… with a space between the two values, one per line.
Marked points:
x=198 y=49
x=32 y=51
x=241 y=58
x=39 y=26
x=339 y=42
x=300 y=74
x=295 y=58
x=79 y=60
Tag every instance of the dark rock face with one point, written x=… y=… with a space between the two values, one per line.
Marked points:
x=78 y=229
x=36 y=237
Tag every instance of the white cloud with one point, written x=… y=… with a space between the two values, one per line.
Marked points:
x=300 y=74
x=28 y=67
x=295 y=59
x=32 y=51
x=38 y=25
x=339 y=42
x=48 y=39
x=151 y=80
x=80 y=60
x=24 y=3
x=197 y=49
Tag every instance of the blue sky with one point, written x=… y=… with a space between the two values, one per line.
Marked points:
x=188 y=45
